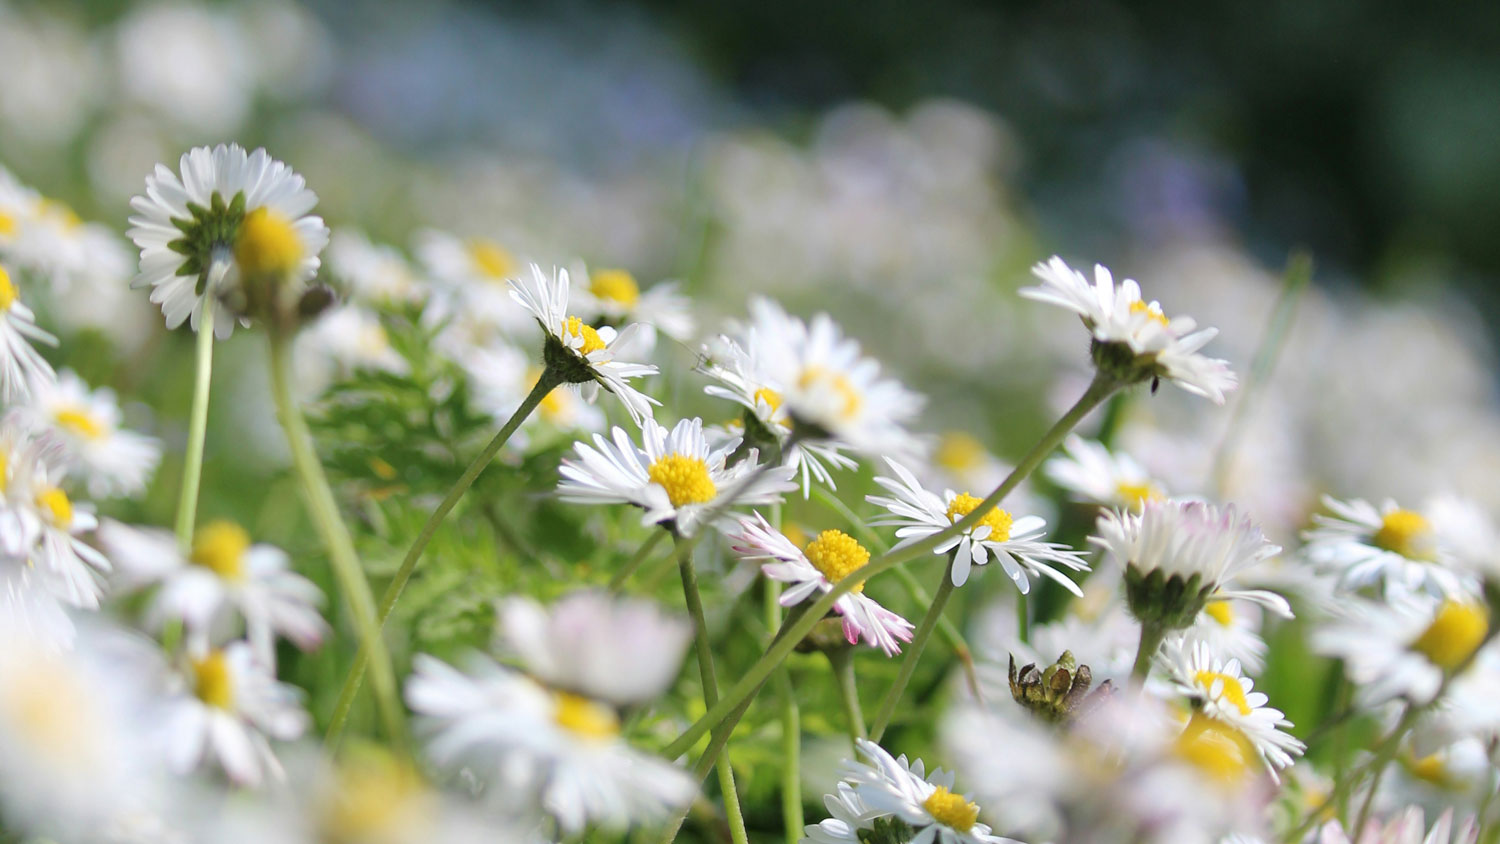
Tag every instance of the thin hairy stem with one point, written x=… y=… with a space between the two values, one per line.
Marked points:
x=913 y=653
x=192 y=461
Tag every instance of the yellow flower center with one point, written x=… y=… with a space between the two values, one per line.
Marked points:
x=60 y=211
x=46 y=706
x=267 y=244
x=1220 y=611
x=1233 y=689
x=81 y=422
x=54 y=502
x=951 y=810
x=1137 y=494
x=212 y=681
x=8 y=292
x=821 y=378
x=490 y=258
x=1151 y=310
x=616 y=286
x=685 y=479
x=1454 y=635
x=959 y=452
x=1217 y=749
x=1430 y=769
x=220 y=547
x=836 y=554
x=375 y=796
x=578 y=328
x=7 y=224
x=585 y=718
x=1407 y=533
x=997 y=520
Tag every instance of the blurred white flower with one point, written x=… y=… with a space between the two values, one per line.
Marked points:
x=1402 y=550
x=373 y=273
x=1091 y=473
x=190 y=64
x=1403 y=647
x=1406 y=828
x=614 y=297
x=345 y=339
x=113 y=461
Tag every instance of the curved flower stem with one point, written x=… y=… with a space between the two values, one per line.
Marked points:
x=1152 y=635
x=913 y=653
x=192 y=462
x=710 y=684
x=336 y=540
x=617 y=582
x=544 y=385
x=841 y=660
x=791 y=715
x=793 y=631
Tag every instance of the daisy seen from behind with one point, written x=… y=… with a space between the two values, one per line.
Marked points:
x=1133 y=340
x=827 y=559
x=1014 y=542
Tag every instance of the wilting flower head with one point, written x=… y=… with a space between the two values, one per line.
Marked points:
x=1133 y=340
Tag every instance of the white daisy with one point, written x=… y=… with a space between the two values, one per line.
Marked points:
x=621 y=650
x=674 y=475
x=226 y=706
x=221 y=577
x=892 y=788
x=112 y=460
x=196 y=233
x=589 y=357
x=1015 y=542
x=1403 y=647
x=531 y=745
x=342 y=340
x=43 y=525
x=22 y=369
x=829 y=558
x=1132 y=337
x=614 y=297
x=1402 y=550
x=472 y=279
x=739 y=372
x=1230 y=628
x=374 y=273
x=1203 y=547
x=1091 y=473
x=827 y=385
x=850 y=818
x=1220 y=690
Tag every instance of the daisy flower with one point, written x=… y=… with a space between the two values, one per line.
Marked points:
x=1177 y=554
x=1220 y=690
x=621 y=650
x=22 y=369
x=1405 y=646
x=112 y=460
x=532 y=744
x=222 y=576
x=472 y=280
x=227 y=216
x=1091 y=473
x=1133 y=339
x=1015 y=542
x=373 y=273
x=226 y=707
x=580 y=353
x=1403 y=550
x=614 y=297
x=342 y=340
x=44 y=525
x=891 y=788
x=829 y=558
x=829 y=388
x=1230 y=628
x=765 y=420
x=674 y=475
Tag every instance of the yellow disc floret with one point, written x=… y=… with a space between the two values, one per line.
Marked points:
x=490 y=258
x=212 y=681
x=8 y=292
x=1217 y=749
x=220 y=547
x=376 y=797
x=7 y=224
x=951 y=810
x=1405 y=532
x=81 y=422
x=267 y=244
x=836 y=554
x=1220 y=611
x=822 y=378
x=1233 y=689
x=997 y=520
x=55 y=505
x=585 y=718
x=959 y=452
x=616 y=286
x=1454 y=635
x=1152 y=310
x=1137 y=494
x=575 y=327
x=685 y=479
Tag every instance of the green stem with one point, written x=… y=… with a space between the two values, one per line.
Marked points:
x=336 y=540
x=841 y=660
x=791 y=726
x=192 y=463
x=544 y=385
x=1151 y=636
x=913 y=653
x=617 y=582
x=793 y=631
x=1382 y=760
x=705 y=652
x=1023 y=619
